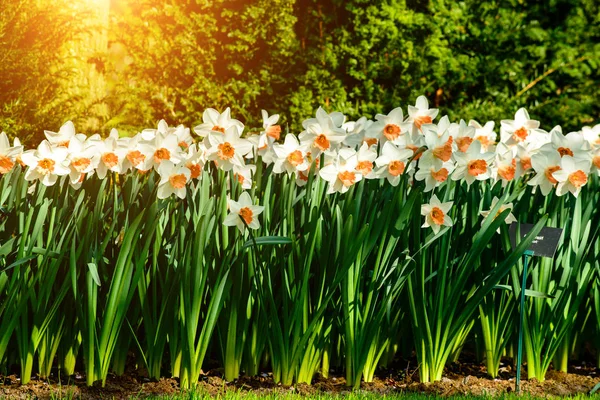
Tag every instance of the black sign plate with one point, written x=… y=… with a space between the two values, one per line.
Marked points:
x=544 y=244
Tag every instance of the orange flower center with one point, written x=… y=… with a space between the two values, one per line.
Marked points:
x=321 y=142
x=444 y=152
x=437 y=215
x=549 y=171
x=391 y=131
x=178 y=181
x=80 y=164
x=578 y=178
x=507 y=172
x=6 y=164
x=195 y=170
x=218 y=128
x=45 y=166
x=477 y=167
x=370 y=141
x=240 y=178
x=414 y=150
x=274 y=132
x=484 y=140
x=161 y=154
x=295 y=158
x=110 y=159
x=526 y=163
x=396 y=168
x=565 y=151
x=520 y=134
x=596 y=161
x=364 y=167
x=440 y=175
x=246 y=214
x=64 y=144
x=183 y=145
x=226 y=151
x=135 y=157
x=463 y=143
x=348 y=178
x=303 y=176
x=424 y=119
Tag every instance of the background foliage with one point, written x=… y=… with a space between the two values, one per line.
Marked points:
x=171 y=59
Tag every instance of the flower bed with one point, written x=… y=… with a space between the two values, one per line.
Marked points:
x=296 y=254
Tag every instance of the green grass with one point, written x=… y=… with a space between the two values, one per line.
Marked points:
x=356 y=395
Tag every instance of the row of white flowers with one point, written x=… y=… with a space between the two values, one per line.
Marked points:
x=352 y=151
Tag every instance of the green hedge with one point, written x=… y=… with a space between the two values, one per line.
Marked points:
x=171 y=59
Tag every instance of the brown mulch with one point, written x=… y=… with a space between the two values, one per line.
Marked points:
x=459 y=378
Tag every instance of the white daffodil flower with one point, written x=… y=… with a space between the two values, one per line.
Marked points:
x=592 y=135
x=8 y=154
x=572 y=175
x=390 y=127
x=228 y=149
x=214 y=121
x=462 y=135
x=521 y=129
x=290 y=156
x=506 y=167
x=596 y=160
x=473 y=164
x=438 y=146
x=111 y=153
x=270 y=129
x=484 y=134
x=138 y=154
x=164 y=147
x=420 y=114
x=573 y=144
x=545 y=163
x=263 y=142
x=194 y=160
x=243 y=212
x=336 y=117
x=150 y=133
x=63 y=136
x=83 y=159
x=244 y=175
x=341 y=173
x=436 y=214
x=184 y=138
x=173 y=178
x=355 y=131
x=321 y=134
x=433 y=171
x=391 y=164
x=46 y=163
x=510 y=218
x=524 y=157
x=366 y=156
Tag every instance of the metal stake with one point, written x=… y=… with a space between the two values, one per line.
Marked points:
x=521 y=323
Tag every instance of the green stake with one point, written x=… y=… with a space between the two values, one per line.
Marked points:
x=521 y=322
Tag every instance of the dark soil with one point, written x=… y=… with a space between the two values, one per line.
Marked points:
x=459 y=378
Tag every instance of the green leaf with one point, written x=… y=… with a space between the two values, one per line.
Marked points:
x=19 y=262
x=267 y=240
x=528 y=292
x=94 y=272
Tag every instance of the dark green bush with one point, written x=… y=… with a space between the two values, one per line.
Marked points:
x=171 y=59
